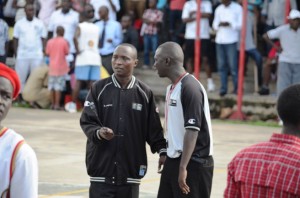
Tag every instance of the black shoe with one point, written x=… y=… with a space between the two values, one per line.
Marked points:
x=222 y=93
x=264 y=91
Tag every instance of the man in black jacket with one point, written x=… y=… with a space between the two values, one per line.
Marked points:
x=130 y=35
x=118 y=118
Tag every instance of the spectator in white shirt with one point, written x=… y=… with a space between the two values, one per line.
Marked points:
x=29 y=44
x=227 y=23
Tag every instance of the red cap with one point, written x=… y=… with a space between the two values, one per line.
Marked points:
x=13 y=77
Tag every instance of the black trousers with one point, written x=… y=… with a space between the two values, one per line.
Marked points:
x=103 y=190
x=199 y=179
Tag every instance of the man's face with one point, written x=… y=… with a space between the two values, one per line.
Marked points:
x=103 y=12
x=89 y=12
x=29 y=11
x=295 y=23
x=66 y=5
x=125 y=21
x=6 y=97
x=226 y=2
x=124 y=61
x=160 y=63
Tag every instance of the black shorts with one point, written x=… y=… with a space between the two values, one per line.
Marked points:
x=190 y=48
x=199 y=178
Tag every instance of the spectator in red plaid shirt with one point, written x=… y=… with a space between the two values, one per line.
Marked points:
x=271 y=169
x=152 y=18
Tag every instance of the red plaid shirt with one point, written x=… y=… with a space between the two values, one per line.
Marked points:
x=267 y=170
x=154 y=15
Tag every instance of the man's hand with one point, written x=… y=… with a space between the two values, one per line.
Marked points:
x=106 y=133
x=224 y=24
x=161 y=162
x=182 y=181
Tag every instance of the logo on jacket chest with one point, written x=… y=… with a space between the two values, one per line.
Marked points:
x=173 y=102
x=137 y=106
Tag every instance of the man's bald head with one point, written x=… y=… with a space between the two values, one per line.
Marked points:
x=173 y=51
x=133 y=50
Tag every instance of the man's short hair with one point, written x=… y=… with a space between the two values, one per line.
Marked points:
x=288 y=105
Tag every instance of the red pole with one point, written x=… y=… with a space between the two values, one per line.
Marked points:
x=197 y=46
x=287 y=10
x=238 y=115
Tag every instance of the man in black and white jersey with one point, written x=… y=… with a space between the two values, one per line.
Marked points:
x=188 y=169
x=118 y=118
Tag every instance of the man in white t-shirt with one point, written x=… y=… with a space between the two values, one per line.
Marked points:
x=189 y=13
x=112 y=5
x=18 y=162
x=289 y=57
x=29 y=44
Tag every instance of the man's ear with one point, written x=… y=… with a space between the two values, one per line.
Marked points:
x=136 y=62
x=168 y=61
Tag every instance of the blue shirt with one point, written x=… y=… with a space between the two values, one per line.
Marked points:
x=113 y=31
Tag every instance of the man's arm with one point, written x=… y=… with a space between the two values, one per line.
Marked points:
x=113 y=7
x=268 y=40
x=189 y=144
x=77 y=34
x=90 y=121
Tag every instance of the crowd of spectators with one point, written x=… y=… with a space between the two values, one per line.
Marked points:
x=30 y=24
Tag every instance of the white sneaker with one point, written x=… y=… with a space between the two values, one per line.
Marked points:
x=71 y=107
x=210 y=86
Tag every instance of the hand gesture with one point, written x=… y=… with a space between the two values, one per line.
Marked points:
x=106 y=133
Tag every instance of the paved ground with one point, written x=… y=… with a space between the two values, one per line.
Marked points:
x=60 y=146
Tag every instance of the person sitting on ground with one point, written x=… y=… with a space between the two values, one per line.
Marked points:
x=18 y=162
x=36 y=88
x=57 y=49
x=271 y=169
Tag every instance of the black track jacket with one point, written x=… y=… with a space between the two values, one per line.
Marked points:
x=129 y=112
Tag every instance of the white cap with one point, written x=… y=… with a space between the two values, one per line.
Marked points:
x=294 y=14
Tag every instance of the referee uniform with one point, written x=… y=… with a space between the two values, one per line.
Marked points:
x=187 y=108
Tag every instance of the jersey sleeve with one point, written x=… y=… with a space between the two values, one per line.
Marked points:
x=192 y=105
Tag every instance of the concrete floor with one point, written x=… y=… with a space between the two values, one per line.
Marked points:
x=59 y=144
